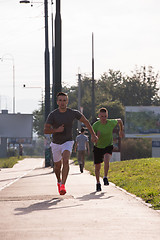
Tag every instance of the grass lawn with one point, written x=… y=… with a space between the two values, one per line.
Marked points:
x=140 y=177
x=9 y=162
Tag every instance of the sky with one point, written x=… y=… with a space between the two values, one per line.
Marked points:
x=126 y=34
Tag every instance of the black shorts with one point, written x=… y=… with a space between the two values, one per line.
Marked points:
x=100 y=152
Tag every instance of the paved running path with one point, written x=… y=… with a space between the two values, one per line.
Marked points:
x=32 y=209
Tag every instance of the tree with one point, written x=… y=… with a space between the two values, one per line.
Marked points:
x=85 y=96
x=38 y=121
x=115 y=109
x=139 y=89
x=109 y=86
x=113 y=90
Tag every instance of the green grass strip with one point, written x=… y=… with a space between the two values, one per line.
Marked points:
x=9 y=162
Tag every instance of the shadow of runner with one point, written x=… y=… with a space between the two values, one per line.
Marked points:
x=94 y=195
x=46 y=205
x=75 y=173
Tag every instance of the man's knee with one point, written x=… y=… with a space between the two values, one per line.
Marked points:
x=66 y=157
x=107 y=157
x=97 y=167
x=57 y=165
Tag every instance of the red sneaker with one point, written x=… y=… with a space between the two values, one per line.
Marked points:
x=59 y=186
x=62 y=189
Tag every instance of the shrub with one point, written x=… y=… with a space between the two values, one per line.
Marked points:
x=11 y=152
x=136 y=148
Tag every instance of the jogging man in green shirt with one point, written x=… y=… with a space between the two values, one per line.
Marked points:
x=104 y=147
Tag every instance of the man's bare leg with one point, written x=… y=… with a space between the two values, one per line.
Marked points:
x=97 y=171
x=107 y=158
x=65 y=168
x=57 y=170
x=83 y=159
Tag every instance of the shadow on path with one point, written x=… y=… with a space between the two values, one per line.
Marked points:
x=26 y=176
x=94 y=195
x=45 y=205
x=75 y=173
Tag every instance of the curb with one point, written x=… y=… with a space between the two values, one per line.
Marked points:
x=135 y=197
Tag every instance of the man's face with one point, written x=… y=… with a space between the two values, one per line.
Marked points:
x=62 y=102
x=103 y=116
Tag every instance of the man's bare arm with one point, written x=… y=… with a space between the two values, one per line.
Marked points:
x=121 y=133
x=88 y=125
x=75 y=147
x=48 y=129
x=87 y=145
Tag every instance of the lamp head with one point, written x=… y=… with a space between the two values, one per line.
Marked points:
x=24 y=1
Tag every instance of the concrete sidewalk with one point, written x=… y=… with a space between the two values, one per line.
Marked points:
x=31 y=208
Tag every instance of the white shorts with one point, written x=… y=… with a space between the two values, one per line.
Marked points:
x=58 y=149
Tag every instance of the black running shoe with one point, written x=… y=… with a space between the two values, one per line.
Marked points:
x=105 y=180
x=98 y=187
x=81 y=168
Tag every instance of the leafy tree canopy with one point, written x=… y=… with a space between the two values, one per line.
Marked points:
x=113 y=90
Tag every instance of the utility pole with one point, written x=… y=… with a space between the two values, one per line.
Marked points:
x=79 y=98
x=53 y=58
x=47 y=63
x=93 y=82
x=47 y=79
x=47 y=84
x=57 y=80
x=46 y=59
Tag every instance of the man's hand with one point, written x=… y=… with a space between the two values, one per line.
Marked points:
x=98 y=134
x=60 y=129
x=48 y=129
x=121 y=134
x=94 y=138
x=88 y=152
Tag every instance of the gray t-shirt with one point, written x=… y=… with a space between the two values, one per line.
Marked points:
x=81 y=142
x=57 y=118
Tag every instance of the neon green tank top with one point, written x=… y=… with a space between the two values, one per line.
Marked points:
x=106 y=132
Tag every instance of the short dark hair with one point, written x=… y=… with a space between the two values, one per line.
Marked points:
x=103 y=110
x=82 y=130
x=62 y=94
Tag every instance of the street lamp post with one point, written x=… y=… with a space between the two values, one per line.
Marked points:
x=57 y=81
x=11 y=58
x=93 y=82
x=47 y=81
x=47 y=73
x=47 y=61
x=56 y=56
x=53 y=56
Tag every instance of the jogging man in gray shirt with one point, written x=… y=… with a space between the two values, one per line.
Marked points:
x=82 y=144
x=59 y=124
